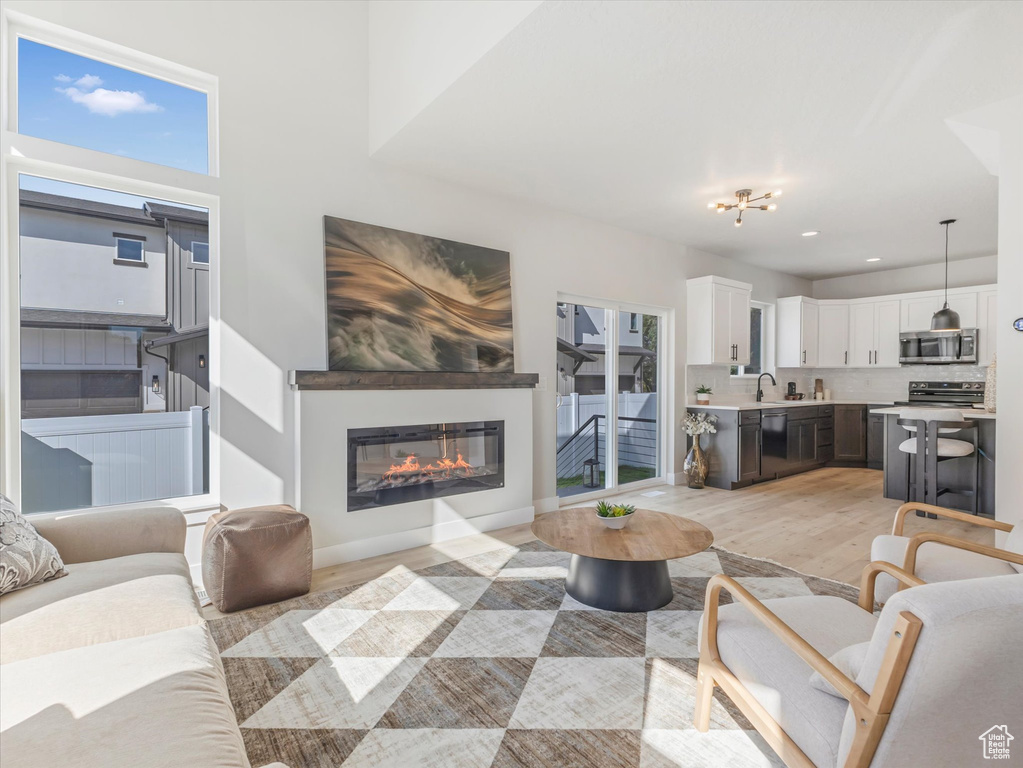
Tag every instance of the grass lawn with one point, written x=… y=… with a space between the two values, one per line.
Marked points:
x=626 y=474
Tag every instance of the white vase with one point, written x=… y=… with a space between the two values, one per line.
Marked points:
x=990 y=387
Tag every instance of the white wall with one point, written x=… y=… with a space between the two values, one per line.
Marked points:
x=81 y=250
x=294 y=126
x=420 y=47
x=982 y=270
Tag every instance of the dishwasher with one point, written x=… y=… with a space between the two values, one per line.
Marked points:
x=774 y=426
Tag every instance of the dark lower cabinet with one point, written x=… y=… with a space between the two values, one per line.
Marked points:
x=851 y=433
x=755 y=445
x=808 y=442
x=749 y=451
x=875 y=440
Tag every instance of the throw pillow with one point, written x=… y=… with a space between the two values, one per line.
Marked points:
x=26 y=558
x=849 y=661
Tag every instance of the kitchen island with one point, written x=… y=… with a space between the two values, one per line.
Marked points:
x=955 y=473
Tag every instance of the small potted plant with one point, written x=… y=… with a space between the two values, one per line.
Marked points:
x=614 y=515
x=703 y=393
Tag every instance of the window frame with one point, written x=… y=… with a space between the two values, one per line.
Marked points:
x=191 y=252
x=17 y=25
x=22 y=154
x=119 y=259
x=766 y=343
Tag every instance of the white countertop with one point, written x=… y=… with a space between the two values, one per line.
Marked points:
x=968 y=413
x=755 y=406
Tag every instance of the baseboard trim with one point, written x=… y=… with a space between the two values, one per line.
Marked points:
x=350 y=551
x=550 y=504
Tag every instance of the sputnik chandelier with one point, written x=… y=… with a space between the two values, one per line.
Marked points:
x=746 y=203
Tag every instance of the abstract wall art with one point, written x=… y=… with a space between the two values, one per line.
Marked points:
x=398 y=301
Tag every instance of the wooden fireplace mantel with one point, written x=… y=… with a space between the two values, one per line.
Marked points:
x=322 y=380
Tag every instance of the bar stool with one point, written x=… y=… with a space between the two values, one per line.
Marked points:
x=927 y=425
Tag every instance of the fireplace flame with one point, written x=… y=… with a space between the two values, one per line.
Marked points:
x=443 y=468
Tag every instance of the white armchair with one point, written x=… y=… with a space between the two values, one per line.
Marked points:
x=945 y=558
x=935 y=670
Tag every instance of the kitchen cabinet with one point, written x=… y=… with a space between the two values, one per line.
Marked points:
x=917 y=309
x=798 y=321
x=833 y=335
x=874 y=334
x=875 y=439
x=749 y=446
x=851 y=433
x=717 y=321
x=987 y=325
x=886 y=337
x=801 y=436
x=756 y=445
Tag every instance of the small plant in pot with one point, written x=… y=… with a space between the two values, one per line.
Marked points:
x=703 y=393
x=615 y=515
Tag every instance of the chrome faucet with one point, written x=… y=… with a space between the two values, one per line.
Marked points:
x=760 y=392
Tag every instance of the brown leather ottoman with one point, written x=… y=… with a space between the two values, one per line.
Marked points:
x=255 y=556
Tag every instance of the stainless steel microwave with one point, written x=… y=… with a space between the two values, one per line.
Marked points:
x=938 y=347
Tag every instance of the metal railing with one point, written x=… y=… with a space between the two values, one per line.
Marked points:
x=637 y=445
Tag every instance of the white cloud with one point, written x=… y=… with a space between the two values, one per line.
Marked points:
x=62 y=78
x=88 y=82
x=110 y=103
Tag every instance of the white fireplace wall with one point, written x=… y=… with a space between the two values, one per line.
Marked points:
x=324 y=419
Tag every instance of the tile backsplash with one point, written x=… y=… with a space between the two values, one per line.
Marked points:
x=868 y=384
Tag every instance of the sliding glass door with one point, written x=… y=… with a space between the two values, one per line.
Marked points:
x=608 y=397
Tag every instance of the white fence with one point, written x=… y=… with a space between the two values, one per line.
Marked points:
x=636 y=439
x=83 y=461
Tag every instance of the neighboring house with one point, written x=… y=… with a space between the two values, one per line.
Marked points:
x=582 y=346
x=127 y=332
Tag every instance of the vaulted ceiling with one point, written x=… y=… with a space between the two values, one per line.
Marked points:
x=641 y=113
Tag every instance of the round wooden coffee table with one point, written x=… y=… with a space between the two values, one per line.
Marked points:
x=623 y=570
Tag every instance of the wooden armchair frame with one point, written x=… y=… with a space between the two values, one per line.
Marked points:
x=871 y=710
x=909 y=564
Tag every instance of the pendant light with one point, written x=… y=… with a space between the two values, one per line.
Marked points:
x=946 y=319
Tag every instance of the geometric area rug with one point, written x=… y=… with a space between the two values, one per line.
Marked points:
x=485 y=661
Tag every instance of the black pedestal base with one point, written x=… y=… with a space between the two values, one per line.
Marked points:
x=619 y=585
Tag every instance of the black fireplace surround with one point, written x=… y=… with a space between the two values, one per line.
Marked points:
x=394 y=465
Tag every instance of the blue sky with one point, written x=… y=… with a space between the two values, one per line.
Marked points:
x=80 y=101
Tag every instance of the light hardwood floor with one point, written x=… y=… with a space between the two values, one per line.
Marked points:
x=820 y=523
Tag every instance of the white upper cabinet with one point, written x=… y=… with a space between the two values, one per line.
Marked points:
x=856 y=334
x=798 y=321
x=833 y=336
x=918 y=308
x=987 y=325
x=886 y=334
x=862 y=336
x=717 y=321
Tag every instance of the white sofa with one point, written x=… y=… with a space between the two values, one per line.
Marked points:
x=112 y=665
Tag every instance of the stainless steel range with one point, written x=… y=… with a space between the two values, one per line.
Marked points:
x=942 y=394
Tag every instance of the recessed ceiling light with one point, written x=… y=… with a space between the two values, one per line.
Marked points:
x=874 y=259
x=811 y=233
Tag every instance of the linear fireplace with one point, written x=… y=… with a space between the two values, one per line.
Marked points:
x=393 y=465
